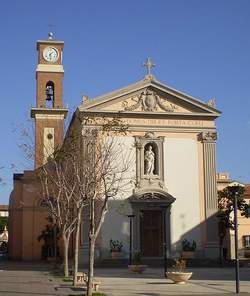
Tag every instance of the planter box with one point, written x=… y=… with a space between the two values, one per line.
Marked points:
x=187 y=254
x=136 y=268
x=116 y=255
x=179 y=277
x=51 y=259
x=247 y=253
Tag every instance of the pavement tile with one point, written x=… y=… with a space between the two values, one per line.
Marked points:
x=35 y=279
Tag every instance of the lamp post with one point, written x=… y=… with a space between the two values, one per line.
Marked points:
x=237 y=273
x=165 y=244
x=235 y=187
x=130 y=237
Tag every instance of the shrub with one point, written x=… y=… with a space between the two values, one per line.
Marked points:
x=137 y=258
x=180 y=265
x=187 y=246
x=115 y=246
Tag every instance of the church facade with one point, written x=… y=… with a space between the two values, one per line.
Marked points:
x=173 y=193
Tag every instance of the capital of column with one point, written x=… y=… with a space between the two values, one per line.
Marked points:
x=207 y=137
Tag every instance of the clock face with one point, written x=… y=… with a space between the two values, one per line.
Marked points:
x=50 y=54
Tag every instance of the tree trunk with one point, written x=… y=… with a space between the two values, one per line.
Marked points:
x=55 y=244
x=91 y=249
x=65 y=254
x=91 y=266
x=79 y=216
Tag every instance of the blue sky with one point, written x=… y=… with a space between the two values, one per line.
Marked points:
x=199 y=47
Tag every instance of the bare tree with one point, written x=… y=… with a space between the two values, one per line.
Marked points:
x=88 y=170
x=105 y=171
x=58 y=189
x=56 y=185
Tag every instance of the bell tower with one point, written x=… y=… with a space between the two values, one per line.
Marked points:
x=49 y=113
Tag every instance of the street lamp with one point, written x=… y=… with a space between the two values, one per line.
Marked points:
x=234 y=186
x=130 y=237
x=165 y=244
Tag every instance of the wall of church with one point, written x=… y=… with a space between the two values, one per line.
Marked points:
x=182 y=181
x=116 y=224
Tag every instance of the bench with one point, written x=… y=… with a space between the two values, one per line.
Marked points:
x=82 y=278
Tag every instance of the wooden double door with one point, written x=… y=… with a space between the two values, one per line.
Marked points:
x=151 y=233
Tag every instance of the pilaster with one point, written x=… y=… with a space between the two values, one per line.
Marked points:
x=208 y=140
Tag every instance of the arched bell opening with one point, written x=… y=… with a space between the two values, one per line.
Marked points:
x=50 y=94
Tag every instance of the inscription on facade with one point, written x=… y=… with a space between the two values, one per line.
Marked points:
x=169 y=122
x=163 y=122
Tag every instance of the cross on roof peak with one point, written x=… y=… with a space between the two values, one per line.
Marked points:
x=148 y=64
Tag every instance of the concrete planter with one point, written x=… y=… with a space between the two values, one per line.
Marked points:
x=116 y=255
x=247 y=253
x=136 y=268
x=50 y=259
x=179 y=277
x=187 y=254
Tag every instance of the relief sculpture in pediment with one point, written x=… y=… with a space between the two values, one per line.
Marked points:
x=149 y=101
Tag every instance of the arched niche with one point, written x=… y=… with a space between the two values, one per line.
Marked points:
x=150 y=146
x=50 y=94
x=151 y=159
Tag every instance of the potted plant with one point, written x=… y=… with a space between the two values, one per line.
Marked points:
x=137 y=267
x=179 y=276
x=188 y=249
x=115 y=248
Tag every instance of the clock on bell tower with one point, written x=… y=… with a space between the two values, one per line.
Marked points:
x=49 y=113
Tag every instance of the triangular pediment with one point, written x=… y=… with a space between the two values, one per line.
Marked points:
x=149 y=96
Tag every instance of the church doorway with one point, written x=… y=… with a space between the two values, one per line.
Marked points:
x=151 y=233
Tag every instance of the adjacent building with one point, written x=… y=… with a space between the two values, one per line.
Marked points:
x=223 y=180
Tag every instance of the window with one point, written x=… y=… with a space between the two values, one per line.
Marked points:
x=246 y=241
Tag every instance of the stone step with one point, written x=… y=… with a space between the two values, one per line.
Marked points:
x=159 y=262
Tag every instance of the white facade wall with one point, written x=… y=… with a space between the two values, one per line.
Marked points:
x=181 y=173
x=116 y=224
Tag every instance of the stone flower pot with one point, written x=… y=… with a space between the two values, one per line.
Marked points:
x=187 y=254
x=179 y=277
x=247 y=253
x=137 y=268
x=116 y=255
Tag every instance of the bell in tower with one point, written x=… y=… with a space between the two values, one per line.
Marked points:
x=49 y=92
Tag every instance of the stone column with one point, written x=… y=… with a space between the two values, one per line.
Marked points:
x=210 y=187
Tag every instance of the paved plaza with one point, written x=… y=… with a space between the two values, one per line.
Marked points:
x=36 y=279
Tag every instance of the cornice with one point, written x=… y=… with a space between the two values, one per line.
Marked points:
x=50 y=42
x=46 y=112
x=49 y=68
x=147 y=113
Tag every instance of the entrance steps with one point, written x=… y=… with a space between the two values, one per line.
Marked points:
x=124 y=262
x=159 y=262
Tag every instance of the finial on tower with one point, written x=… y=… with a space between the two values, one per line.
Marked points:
x=148 y=64
x=50 y=36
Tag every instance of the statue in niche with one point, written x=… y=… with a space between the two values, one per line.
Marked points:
x=149 y=158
